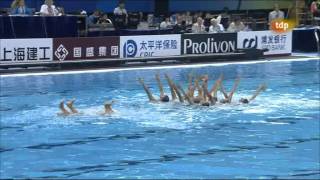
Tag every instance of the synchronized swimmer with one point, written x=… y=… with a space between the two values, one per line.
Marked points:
x=204 y=96
x=64 y=112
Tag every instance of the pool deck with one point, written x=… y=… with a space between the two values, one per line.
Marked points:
x=145 y=65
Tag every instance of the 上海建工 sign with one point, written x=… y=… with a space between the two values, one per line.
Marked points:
x=276 y=43
x=25 y=50
x=150 y=46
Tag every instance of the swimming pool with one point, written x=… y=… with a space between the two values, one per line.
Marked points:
x=276 y=136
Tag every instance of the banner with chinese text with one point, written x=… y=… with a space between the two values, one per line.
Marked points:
x=85 y=48
x=276 y=43
x=150 y=46
x=25 y=50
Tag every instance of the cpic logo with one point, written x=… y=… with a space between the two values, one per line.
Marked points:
x=61 y=53
x=251 y=43
x=130 y=49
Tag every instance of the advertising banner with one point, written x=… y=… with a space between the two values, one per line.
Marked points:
x=25 y=50
x=276 y=43
x=208 y=43
x=150 y=46
x=85 y=48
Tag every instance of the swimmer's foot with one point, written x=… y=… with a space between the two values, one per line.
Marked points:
x=70 y=103
x=70 y=106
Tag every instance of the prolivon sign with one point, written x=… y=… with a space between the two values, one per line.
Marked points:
x=208 y=43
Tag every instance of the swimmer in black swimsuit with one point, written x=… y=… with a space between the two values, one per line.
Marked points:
x=261 y=88
x=228 y=98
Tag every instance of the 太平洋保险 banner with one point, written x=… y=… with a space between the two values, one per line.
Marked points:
x=208 y=43
x=25 y=50
x=150 y=46
x=276 y=43
x=85 y=48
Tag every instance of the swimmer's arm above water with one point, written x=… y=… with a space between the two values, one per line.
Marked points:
x=186 y=96
x=178 y=93
x=261 y=88
x=206 y=94
x=190 y=91
x=223 y=91
x=235 y=86
x=173 y=93
x=216 y=86
x=200 y=92
x=160 y=85
x=151 y=98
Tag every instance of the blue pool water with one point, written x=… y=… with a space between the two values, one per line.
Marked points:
x=277 y=136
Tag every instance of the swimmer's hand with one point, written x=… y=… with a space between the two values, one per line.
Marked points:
x=263 y=87
x=140 y=80
x=205 y=78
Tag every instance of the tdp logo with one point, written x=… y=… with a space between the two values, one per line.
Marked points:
x=250 y=43
x=130 y=49
x=282 y=25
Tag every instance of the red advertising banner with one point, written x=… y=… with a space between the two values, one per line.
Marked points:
x=85 y=48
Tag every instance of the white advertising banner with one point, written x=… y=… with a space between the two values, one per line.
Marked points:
x=150 y=46
x=25 y=50
x=275 y=43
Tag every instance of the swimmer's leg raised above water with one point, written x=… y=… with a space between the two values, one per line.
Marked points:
x=173 y=93
x=71 y=107
x=63 y=112
x=151 y=98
